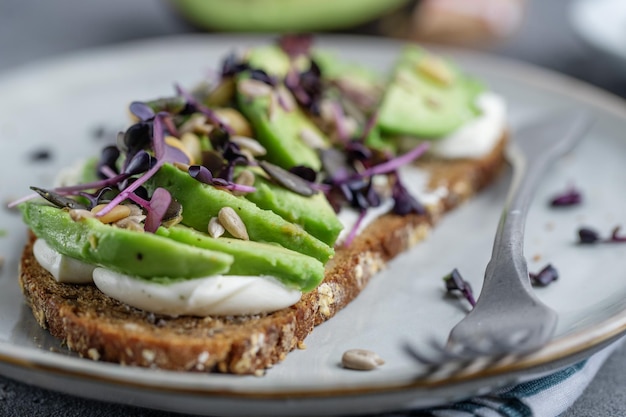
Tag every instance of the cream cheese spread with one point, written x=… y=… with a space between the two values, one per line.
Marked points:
x=63 y=268
x=478 y=137
x=214 y=295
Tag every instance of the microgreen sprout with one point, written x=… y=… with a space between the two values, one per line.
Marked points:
x=544 y=277
x=588 y=236
x=456 y=284
x=570 y=197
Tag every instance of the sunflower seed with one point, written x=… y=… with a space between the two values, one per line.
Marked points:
x=232 y=223
x=191 y=142
x=117 y=213
x=235 y=120
x=252 y=145
x=79 y=214
x=254 y=88
x=361 y=359
x=312 y=139
x=246 y=178
x=215 y=228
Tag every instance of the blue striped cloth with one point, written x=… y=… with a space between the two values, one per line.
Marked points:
x=548 y=396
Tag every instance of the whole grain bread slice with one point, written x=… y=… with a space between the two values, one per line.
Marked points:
x=101 y=328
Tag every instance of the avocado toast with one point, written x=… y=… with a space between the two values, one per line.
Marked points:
x=358 y=170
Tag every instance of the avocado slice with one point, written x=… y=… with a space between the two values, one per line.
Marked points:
x=254 y=258
x=281 y=133
x=313 y=213
x=143 y=255
x=201 y=202
x=419 y=104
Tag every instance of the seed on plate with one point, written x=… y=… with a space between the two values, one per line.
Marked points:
x=117 y=213
x=361 y=359
x=197 y=123
x=232 y=223
x=249 y=144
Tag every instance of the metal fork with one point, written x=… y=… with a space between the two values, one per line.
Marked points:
x=508 y=317
x=508 y=320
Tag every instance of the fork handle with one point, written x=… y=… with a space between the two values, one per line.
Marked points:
x=508 y=248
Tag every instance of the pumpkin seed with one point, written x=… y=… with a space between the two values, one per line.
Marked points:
x=288 y=180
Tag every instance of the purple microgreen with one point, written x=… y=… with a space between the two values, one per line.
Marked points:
x=544 y=277
x=288 y=180
x=403 y=202
x=173 y=154
x=356 y=150
x=98 y=197
x=372 y=121
x=395 y=163
x=158 y=137
x=203 y=175
x=355 y=228
x=57 y=199
x=141 y=110
x=587 y=235
x=232 y=65
x=210 y=114
x=615 y=236
x=141 y=162
x=340 y=121
x=296 y=45
x=40 y=155
x=108 y=159
x=455 y=283
x=264 y=77
x=569 y=197
x=159 y=203
x=21 y=200
x=172 y=105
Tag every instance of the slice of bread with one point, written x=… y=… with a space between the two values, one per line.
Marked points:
x=101 y=328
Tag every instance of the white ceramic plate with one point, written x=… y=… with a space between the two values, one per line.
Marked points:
x=58 y=105
x=602 y=24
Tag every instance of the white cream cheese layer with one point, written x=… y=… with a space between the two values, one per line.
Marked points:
x=63 y=268
x=214 y=295
x=477 y=138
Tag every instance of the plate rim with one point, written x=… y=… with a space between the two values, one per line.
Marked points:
x=600 y=333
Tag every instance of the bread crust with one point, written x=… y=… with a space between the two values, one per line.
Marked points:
x=101 y=328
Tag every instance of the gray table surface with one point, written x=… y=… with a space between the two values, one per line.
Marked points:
x=35 y=30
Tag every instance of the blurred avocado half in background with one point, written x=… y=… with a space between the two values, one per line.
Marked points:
x=282 y=15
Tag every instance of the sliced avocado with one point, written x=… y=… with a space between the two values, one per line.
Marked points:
x=281 y=134
x=201 y=202
x=313 y=213
x=420 y=105
x=271 y=59
x=139 y=254
x=254 y=258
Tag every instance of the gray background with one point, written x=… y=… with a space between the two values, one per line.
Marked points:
x=31 y=30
